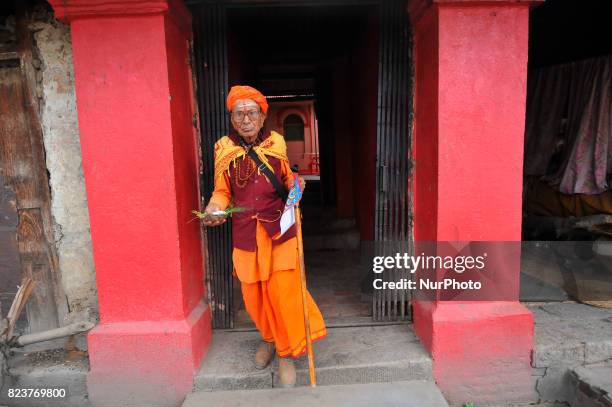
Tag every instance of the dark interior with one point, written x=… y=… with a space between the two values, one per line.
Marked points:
x=332 y=53
x=566 y=228
x=568 y=30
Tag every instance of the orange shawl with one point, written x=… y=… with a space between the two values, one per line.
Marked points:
x=227 y=152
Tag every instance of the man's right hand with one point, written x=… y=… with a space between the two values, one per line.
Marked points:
x=213 y=220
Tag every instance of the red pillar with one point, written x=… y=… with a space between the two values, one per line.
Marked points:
x=134 y=102
x=471 y=73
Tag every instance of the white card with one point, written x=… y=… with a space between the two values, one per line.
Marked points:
x=287 y=219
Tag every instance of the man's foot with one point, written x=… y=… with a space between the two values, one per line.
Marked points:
x=286 y=372
x=264 y=355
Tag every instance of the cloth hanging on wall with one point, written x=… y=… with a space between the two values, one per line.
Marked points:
x=568 y=134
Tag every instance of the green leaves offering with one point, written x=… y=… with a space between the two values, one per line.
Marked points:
x=218 y=214
x=233 y=209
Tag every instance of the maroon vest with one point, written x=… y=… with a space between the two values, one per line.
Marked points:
x=257 y=195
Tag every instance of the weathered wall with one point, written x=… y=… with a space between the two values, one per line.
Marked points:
x=55 y=88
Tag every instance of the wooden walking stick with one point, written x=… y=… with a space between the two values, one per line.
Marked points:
x=300 y=248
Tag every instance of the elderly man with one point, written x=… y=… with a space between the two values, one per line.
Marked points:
x=265 y=262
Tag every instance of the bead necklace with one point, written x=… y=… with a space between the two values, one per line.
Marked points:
x=250 y=169
x=250 y=164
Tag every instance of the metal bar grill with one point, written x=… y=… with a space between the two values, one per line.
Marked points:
x=392 y=230
x=211 y=72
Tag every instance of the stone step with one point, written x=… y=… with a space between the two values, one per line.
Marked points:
x=349 y=355
x=418 y=393
x=591 y=386
x=57 y=369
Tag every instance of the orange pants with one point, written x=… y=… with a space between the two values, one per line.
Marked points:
x=275 y=305
x=272 y=293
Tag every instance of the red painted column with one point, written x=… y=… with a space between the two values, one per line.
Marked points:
x=471 y=73
x=135 y=106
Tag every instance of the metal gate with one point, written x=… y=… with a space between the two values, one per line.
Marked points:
x=392 y=223
x=211 y=71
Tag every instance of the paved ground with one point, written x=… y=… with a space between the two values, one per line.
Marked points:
x=48 y=369
x=334 y=281
x=337 y=293
x=571 y=332
x=567 y=335
x=405 y=394
x=592 y=385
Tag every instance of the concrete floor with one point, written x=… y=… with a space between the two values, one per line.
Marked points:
x=568 y=336
x=334 y=281
x=405 y=394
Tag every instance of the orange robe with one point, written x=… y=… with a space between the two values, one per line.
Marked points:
x=270 y=283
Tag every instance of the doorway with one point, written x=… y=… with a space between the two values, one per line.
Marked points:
x=337 y=77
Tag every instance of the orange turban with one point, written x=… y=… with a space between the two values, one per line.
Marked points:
x=246 y=92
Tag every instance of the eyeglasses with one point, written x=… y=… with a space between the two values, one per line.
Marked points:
x=239 y=115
